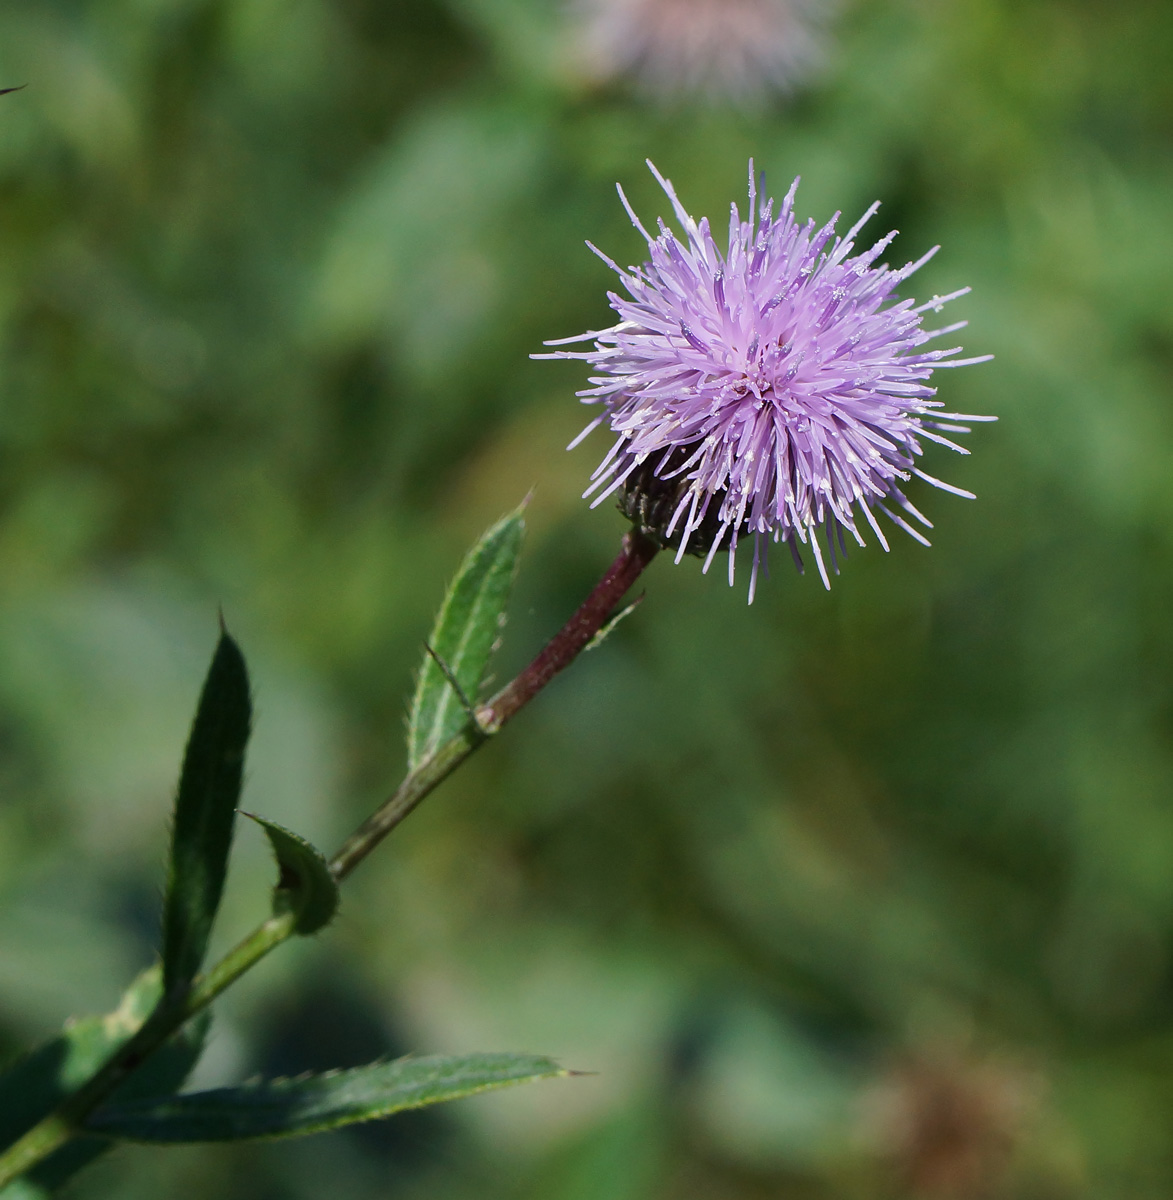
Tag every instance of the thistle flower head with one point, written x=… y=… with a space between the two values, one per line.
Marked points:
x=727 y=49
x=779 y=390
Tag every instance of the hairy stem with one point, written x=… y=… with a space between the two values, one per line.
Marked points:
x=562 y=649
x=566 y=645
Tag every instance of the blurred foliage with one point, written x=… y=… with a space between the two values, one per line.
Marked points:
x=857 y=895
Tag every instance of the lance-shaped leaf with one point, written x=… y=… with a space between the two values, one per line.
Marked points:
x=205 y=809
x=463 y=639
x=37 y=1083
x=315 y=1103
x=305 y=886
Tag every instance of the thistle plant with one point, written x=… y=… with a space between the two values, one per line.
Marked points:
x=777 y=391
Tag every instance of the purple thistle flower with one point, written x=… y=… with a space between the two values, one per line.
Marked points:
x=779 y=390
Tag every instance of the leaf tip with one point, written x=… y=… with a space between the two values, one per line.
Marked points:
x=305 y=884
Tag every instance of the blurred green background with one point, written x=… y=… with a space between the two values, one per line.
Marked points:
x=863 y=894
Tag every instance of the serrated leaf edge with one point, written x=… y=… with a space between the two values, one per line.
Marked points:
x=142 y=1108
x=517 y=515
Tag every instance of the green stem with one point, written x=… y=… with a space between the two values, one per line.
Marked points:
x=558 y=653
x=423 y=780
x=68 y=1119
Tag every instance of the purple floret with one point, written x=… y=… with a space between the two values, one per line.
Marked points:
x=777 y=390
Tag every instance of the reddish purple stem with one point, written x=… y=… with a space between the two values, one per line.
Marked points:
x=566 y=645
x=560 y=652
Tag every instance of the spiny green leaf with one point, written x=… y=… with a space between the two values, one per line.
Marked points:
x=205 y=809
x=315 y=1103
x=37 y=1083
x=464 y=637
x=304 y=883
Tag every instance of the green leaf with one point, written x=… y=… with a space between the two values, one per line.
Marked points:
x=315 y=1103
x=205 y=809
x=464 y=637
x=37 y=1083
x=305 y=885
x=22 y=1189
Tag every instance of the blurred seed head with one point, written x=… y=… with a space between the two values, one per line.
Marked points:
x=738 y=50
